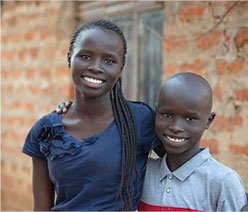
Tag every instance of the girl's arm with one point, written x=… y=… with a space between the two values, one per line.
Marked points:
x=43 y=188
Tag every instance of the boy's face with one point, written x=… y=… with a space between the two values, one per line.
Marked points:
x=183 y=113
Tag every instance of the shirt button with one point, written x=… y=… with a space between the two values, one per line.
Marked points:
x=170 y=176
x=168 y=190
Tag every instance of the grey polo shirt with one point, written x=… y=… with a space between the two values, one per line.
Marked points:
x=202 y=183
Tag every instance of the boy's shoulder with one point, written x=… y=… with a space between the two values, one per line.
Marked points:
x=216 y=171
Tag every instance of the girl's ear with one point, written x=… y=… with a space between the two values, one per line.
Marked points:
x=210 y=119
x=69 y=59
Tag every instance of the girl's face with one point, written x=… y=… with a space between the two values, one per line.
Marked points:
x=96 y=61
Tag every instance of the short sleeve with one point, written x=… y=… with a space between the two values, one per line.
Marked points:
x=31 y=145
x=145 y=116
x=232 y=194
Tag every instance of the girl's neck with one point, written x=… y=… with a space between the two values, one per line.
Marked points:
x=92 y=107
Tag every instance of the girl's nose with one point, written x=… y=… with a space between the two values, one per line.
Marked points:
x=176 y=126
x=95 y=65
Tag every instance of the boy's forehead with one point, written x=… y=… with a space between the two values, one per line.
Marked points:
x=186 y=86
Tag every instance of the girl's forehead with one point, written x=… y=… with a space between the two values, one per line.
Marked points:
x=108 y=36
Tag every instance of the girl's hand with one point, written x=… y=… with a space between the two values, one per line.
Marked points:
x=63 y=107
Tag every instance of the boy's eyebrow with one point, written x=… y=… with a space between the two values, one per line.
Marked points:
x=193 y=112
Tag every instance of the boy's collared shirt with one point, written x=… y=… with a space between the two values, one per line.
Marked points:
x=202 y=183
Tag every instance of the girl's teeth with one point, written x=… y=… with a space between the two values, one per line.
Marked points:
x=178 y=140
x=93 y=80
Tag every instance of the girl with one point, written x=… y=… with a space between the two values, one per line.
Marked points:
x=94 y=155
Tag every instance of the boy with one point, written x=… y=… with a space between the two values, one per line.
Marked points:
x=187 y=178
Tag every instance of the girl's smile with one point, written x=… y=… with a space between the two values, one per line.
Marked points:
x=96 y=62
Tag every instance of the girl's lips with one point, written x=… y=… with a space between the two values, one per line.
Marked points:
x=92 y=82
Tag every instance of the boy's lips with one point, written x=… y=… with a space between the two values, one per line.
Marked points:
x=175 y=139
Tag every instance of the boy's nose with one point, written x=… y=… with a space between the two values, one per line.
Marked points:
x=176 y=126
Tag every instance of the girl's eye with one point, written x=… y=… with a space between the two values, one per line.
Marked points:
x=167 y=115
x=85 y=57
x=108 y=61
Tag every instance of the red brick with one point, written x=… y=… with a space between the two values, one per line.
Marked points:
x=169 y=69
x=7 y=181
x=28 y=106
x=5 y=39
x=63 y=71
x=4 y=136
x=29 y=36
x=65 y=50
x=33 y=52
x=208 y=41
x=195 y=67
x=242 y=95
x=11 y=21
x=240 y=5
x=49 y=90
x=235 y=67
x=67 y=91
x=16 y=38
x=34 y=89
x=242 y=37
x=15 y=74
x=15 y=105
x=211 y=144
x=239 y=149
x=4 y=104
x=29 y=74
x=44 y=33
x=172 y=42
x=22 y=54
x=217 y=93
x=10 y=89
x=50 y=52
x=4 y=74
x=60 y=35
x=192 y=11
x=10 y=55
x=45 y=73
x=32 y=121
x=21 y=120
x=227 y=123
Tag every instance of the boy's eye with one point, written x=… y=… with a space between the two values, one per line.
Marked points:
x=85 y=57
x=108 y=61
x=167 y=115
x=190 y=118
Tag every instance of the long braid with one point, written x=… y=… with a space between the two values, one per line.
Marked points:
x=127 y=127
x=124 y=116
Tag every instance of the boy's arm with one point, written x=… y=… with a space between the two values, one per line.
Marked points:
x=232 y=196
x=245 y=208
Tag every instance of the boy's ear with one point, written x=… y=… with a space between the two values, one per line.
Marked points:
x=210 y=119
x=69 y=59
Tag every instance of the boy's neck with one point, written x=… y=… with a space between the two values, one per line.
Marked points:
x=175 y=161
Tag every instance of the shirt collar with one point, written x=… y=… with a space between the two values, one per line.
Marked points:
x=186 y=169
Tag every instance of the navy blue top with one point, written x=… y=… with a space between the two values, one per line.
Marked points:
x=87 y=173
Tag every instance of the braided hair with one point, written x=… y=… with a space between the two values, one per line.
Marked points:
x=124 y=117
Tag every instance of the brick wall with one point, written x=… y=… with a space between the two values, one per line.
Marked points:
x=222 y=58
x=35 y=78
